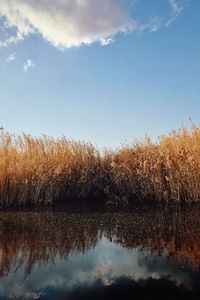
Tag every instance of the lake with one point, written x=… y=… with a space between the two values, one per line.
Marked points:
x=149 y=253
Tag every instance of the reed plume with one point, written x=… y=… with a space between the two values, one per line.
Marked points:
x=45 y=171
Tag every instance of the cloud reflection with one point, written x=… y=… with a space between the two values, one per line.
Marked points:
x=46 y=253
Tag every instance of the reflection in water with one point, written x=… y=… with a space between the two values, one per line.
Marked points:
x=56 y=255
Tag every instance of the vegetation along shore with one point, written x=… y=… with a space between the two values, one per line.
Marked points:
x=44 y=171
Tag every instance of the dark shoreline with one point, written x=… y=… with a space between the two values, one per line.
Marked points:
x=95 y=206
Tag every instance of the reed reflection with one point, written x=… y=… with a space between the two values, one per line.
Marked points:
x=30 y=238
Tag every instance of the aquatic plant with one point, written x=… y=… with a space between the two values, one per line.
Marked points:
x=46 y=171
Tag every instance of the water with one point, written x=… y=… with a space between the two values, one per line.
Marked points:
x=146 y=254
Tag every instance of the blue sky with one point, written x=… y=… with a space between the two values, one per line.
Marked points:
x=138 y=74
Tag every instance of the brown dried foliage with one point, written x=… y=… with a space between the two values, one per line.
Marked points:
x=44 y=171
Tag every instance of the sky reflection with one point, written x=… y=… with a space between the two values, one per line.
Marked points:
x=74 y=256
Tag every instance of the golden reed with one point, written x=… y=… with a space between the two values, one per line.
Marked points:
x=46 y=171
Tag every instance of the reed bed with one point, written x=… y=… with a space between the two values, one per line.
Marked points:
x=46 y=171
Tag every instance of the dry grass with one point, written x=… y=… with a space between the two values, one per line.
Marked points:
x=41 y=171
x=167 y=170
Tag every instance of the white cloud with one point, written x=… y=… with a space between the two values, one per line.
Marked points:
x=11 y=57
x=69 y=23
x=29 y=64
x=105 y=42
x=66 y=23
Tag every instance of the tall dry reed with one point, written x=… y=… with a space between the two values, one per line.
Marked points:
x=36 y=171
x=168 y=169
x=41 y=171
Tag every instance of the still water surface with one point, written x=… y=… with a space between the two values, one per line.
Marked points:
x=146 y=254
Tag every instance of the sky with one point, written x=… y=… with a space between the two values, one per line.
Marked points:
x=104 y=71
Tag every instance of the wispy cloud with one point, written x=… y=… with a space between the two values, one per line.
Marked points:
x=11 y=40
x=29 y=64
x=176 y=7
x=69 y=23
x=105 y=42
x=11 y=57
